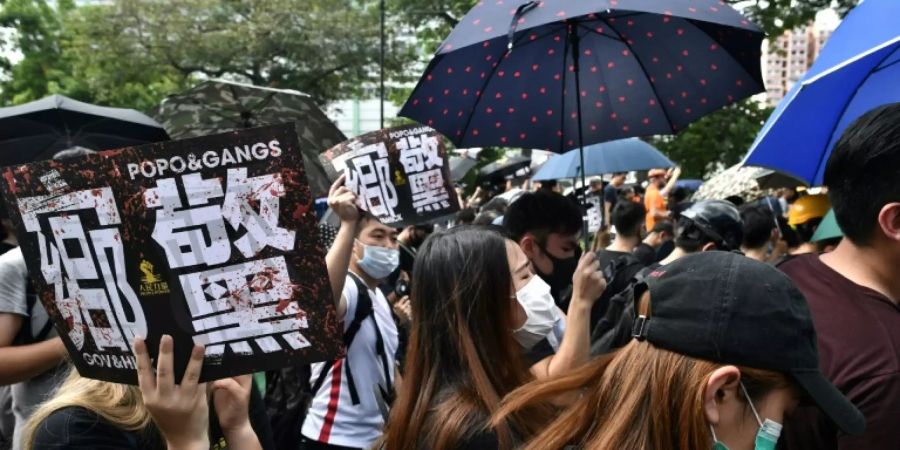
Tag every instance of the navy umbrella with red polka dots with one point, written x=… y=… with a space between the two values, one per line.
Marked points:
x=561 y=74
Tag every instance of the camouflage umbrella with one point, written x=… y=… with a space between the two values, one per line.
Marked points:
x=750 y=183
x=218 y=106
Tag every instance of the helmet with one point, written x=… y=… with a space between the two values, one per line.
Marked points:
x=718 y=220
x=807 y=208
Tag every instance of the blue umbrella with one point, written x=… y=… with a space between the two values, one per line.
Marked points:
x=858 y=70
x=623 y=155
x=690 y=184
x=558 y=74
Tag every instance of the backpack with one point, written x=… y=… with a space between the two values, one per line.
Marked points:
x=289 y=392
x=623 y=269
x=615 y=328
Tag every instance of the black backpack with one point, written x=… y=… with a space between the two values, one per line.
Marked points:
x=289 y=391
x=615 y=328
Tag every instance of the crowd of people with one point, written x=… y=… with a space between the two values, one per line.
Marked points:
x=683 y=325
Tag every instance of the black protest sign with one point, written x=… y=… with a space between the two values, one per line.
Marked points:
x=401 y=175
x=210 y=240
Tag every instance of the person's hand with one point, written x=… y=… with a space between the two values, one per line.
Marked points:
x=231 y=399
x=180 y=411
x=675 y=173
x=403 y=310
x=588 y=283
x=343 y=201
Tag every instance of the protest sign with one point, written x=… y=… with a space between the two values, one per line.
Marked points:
x=211 y=240
x=401 y=175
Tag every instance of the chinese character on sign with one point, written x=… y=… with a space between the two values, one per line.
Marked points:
x=240 y=303
x=86 y=266
x=423 y=162
x=371 y=180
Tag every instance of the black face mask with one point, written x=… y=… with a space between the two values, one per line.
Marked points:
x=563 y=270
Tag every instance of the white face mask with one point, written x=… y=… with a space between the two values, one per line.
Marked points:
x=540 y=311
x=378 y=262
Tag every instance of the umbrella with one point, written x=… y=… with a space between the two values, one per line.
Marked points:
x=690 y=184
x=560 y=74
x=218 y=106
x=460 y=166
x=856 y=71
x=35 y=131
x=747 y=182
x=505 y=167
x=624 y=155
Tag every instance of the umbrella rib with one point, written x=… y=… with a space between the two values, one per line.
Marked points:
x=887 y=65
x=843 y=111
x=487 y=80
x=562 y=110
x=659 y=100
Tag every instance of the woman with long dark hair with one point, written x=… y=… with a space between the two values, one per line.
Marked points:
x=475 y=298
x=723 y=350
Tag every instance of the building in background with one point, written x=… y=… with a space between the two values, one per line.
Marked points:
x=793 y=53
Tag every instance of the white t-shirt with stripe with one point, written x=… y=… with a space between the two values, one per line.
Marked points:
x=332 y=417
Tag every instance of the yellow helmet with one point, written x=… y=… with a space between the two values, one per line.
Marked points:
x=807 y=208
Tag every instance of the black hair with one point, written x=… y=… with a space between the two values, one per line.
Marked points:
x=758 y=225
x=806 y=230
x=861 y=173
x=663 y=226
x=542 y=213
x=486 y=217
x=628 y=217
x=788 y=233
x=678 y=195
x=548 y=185
x=465 y=216
x=735 y=200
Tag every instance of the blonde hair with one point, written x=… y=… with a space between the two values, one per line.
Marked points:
x=119 y=404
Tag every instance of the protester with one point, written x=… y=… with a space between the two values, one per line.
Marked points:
x=547 y=226
x=854 y=291
x=611 y=194
x=465 y=216
x=657 y=245
x=345 y=411
x=32 y=353
x=478 y=311
x=760 y=232
x=617 y=260
x=705 y=226
x=91 y=414
x=804 y=216
x=714 y=362
x=657 y=192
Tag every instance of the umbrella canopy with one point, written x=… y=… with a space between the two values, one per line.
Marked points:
x=747 y=182
x=624 y=155
x=611 y=68
x=856 y=71
x=218 y=106
x=505 y=167
x=37 y=130
x=690 y=184
x=460 y=166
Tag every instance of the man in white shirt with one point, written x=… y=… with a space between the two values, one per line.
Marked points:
x=351 y=394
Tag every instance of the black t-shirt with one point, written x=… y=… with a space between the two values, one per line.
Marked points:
x=537 y=353
x=645 y=254
x=611 y=195
x=76 y=428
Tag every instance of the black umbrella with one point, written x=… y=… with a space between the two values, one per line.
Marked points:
x=37 y=130
x=505 y=167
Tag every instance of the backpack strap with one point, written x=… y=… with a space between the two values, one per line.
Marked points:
x=364 y=310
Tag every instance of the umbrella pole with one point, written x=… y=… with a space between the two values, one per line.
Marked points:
x=576 y=56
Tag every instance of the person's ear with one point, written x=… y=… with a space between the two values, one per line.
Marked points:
x=708 y=247
x=889 y=221
x=721 y=387
x=529 y=245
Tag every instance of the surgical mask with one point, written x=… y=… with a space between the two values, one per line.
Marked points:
x=378 y=262
x=563 y=270
x=766 y=437
x=540 y=311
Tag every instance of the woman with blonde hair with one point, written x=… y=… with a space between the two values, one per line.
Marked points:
x=724 y=348
x=159 y=414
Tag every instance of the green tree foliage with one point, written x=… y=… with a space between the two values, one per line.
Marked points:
x=718 y=140
x=133 y=52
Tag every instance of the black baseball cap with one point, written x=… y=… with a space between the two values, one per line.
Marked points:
x=727 y=308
